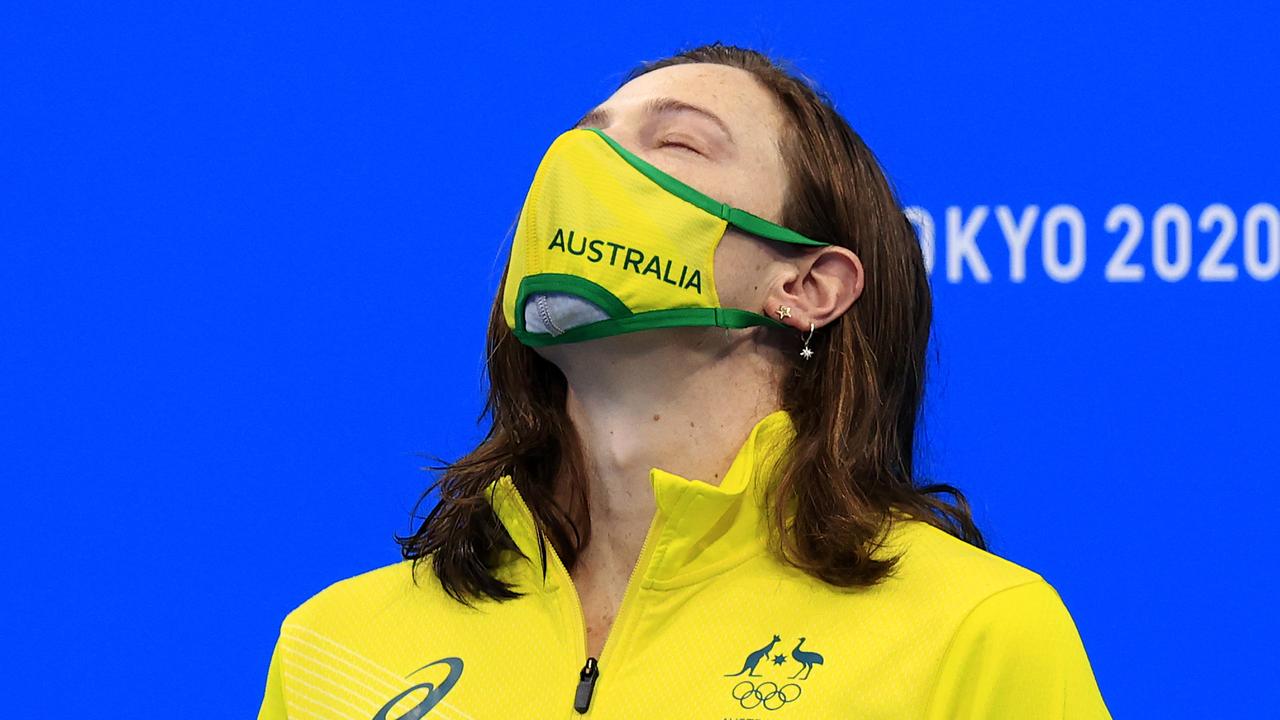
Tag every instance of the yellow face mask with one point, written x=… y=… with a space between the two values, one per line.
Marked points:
x=609 y=244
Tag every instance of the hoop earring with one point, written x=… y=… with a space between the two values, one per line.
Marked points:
x=806 y=352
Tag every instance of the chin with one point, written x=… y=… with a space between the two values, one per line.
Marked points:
x=673 y=348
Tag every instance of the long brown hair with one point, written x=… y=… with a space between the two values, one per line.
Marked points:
x=855 y=412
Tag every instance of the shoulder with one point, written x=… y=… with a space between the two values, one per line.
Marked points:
x=387 y=599
x=1017 y=653
x=935 y=561
x=1008 y=642
x=365 y=595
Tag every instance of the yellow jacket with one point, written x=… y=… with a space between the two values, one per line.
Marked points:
x=712 y=627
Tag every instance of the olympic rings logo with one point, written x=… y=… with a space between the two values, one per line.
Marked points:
x=766 y=694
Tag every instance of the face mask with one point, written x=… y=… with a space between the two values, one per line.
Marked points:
x=608 y=244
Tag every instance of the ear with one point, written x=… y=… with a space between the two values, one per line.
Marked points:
x=823 y=285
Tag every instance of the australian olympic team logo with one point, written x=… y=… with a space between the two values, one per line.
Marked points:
x=768 y=693
x=435 y=693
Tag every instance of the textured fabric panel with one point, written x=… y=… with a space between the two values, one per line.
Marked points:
x=554 y=313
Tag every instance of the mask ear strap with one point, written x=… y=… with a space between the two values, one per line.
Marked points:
x=734 y=318
x=741 y=219
x=757 y=225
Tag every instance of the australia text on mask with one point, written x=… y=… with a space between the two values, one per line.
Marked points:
x=602 y=251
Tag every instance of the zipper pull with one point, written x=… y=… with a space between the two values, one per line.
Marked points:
x=586 y=685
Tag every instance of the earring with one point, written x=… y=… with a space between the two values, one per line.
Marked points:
x=784 y=312
x=806 y=352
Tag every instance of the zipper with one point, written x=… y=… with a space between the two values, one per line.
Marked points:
x=586 y=686
x=591 y=668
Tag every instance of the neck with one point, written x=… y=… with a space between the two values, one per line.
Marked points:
x=684 y=407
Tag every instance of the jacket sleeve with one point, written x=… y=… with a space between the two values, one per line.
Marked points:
x=1017 y=654
x=273 y=699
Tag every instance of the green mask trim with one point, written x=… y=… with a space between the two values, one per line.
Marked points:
x=575 y=285
x=621 y=320
x=623 y=211
x=741 y=219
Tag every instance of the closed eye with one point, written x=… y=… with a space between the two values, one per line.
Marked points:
x=677 y=144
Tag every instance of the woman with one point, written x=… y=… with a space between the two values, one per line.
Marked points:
x=696 y=499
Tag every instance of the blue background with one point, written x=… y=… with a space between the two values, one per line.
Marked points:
x=247 y=252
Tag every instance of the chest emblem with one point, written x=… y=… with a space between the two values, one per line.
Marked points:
x=774 y=687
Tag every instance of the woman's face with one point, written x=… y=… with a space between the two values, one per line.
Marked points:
x=713 y=127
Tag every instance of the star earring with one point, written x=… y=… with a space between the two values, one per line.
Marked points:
x=784 y=312
x=806 y=352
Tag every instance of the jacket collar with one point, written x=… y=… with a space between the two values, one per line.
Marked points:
x=701 y=529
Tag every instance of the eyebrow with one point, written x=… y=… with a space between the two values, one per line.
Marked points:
x=656 y=106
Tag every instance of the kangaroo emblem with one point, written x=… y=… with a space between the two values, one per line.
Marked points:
x=749 y=665
x=806 y=659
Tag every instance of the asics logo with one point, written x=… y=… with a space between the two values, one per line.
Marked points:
x=435 y=693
